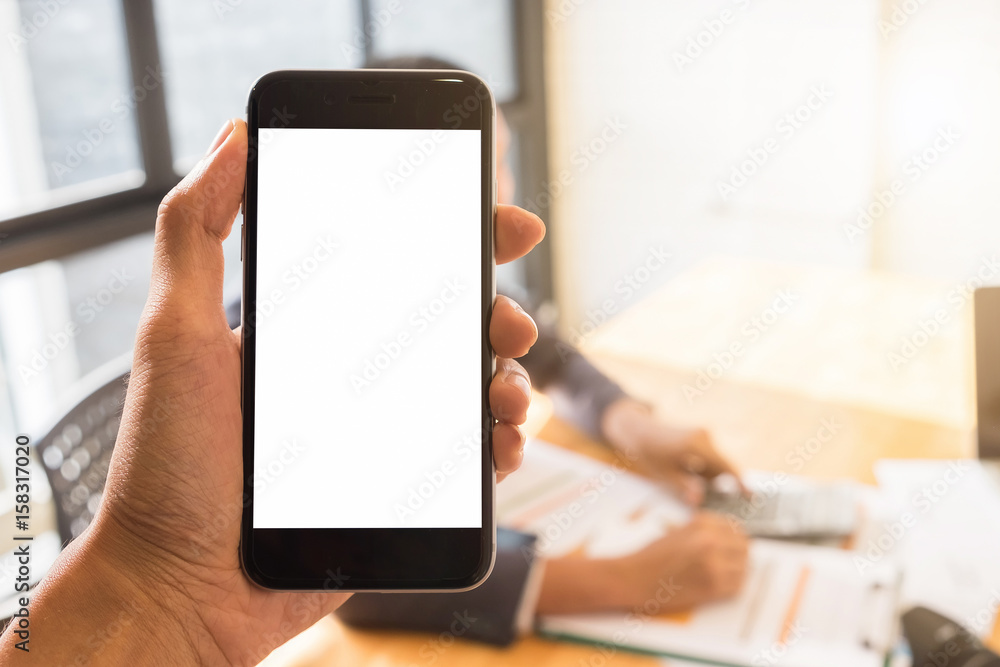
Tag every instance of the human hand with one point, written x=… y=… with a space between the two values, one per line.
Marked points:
x=683 y=457
x=702 y=561
x=164 y=545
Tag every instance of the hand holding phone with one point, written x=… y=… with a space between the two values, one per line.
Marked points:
x=163 y=546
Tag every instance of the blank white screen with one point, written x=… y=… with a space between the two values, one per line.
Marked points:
x=368 y=361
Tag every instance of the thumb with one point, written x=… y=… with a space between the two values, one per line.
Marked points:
x=191 y=223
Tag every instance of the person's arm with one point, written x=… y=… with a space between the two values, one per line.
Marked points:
x=702 y=561
x=165 y=540
x=682 y=456
x=94 y=611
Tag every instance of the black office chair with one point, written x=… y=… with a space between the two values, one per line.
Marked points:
x=76 y=451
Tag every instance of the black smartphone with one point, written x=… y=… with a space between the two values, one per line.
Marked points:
x=368 y=283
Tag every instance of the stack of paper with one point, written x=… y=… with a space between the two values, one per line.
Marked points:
x=941 y=524
x=801 y=605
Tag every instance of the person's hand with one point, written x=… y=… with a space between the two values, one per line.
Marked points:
x=683 y=457
x=156 y=579
x=704 y=560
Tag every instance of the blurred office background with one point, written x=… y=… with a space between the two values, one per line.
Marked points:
x=747 y=129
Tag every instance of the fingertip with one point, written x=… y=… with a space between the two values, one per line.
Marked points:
x=510 y=392
x=508 y=448
x=517 y=232
x=512 y=331
x=235 y=142
x=530 y=225
x=220 y=137
x=694 y=495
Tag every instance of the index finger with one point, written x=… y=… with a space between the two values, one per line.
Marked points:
x=517 y=232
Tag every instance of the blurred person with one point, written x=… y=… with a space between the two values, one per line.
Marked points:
x=706 y=558
x=145 y=584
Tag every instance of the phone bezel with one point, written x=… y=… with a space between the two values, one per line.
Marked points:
x=431 y=559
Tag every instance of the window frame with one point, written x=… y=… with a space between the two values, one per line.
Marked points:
x=58 y=231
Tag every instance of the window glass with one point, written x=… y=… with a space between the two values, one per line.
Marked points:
x=61 y=319
x=212 y=52
x=477 y=36
x=67 y=107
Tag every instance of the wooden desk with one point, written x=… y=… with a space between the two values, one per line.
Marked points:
x=823 y=362
x=330 y=643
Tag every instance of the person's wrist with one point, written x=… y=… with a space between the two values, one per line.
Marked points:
x=93 y=607
x=576 y=584
x=625 y=425
x=623 y=586
x=145 y=593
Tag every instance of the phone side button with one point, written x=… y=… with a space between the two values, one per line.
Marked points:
x=243 y=239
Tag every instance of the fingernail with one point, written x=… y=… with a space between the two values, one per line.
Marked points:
x=518 y=308
x=220 y=138
x=519 y=380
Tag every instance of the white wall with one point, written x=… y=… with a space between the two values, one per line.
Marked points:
x=688 y=124
x=943 y=70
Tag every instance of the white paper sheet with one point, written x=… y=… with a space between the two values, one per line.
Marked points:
x=942 y=525
x=801 y=605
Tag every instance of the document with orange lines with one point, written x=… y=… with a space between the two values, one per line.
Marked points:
x=801 y=605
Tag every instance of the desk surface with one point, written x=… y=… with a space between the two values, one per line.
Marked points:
x=825 y=361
